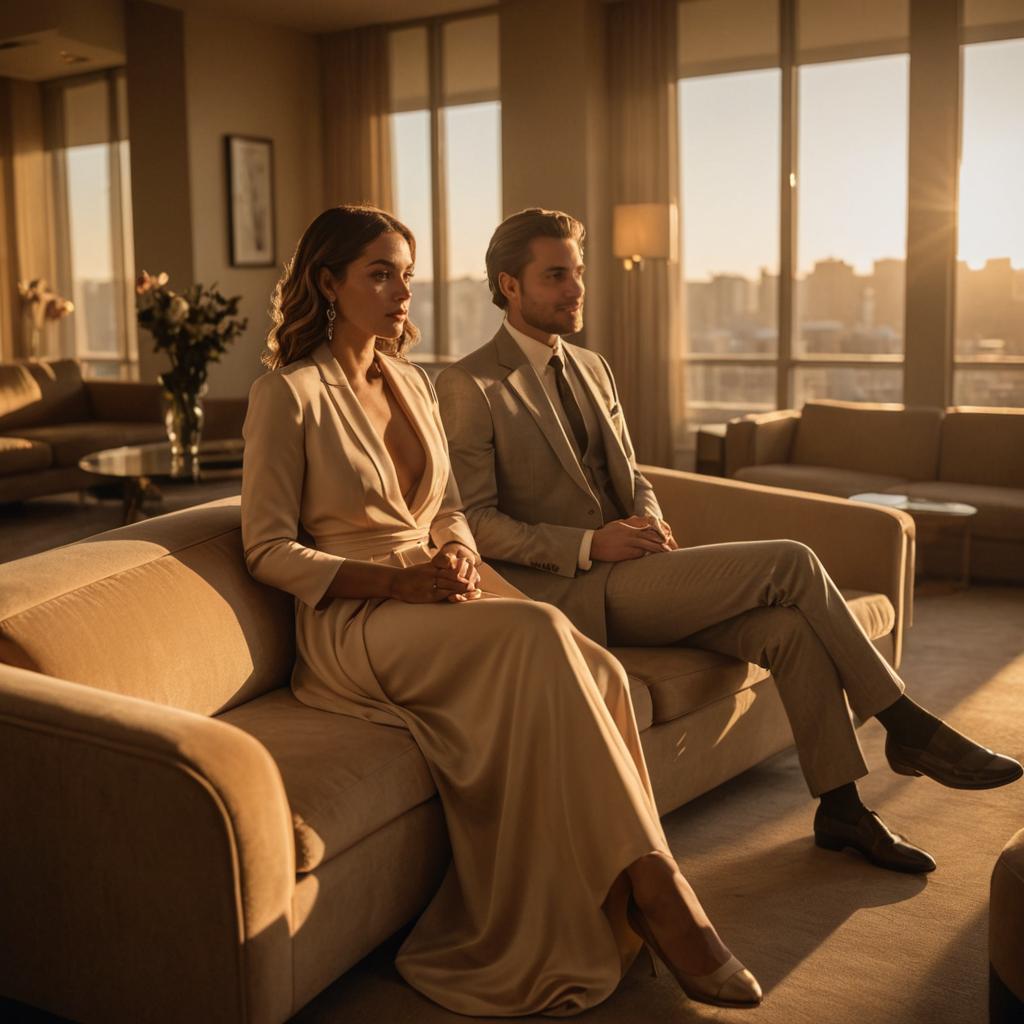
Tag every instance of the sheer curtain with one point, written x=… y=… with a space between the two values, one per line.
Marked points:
x=357 y=138
x=645 y=348
x=26 y=210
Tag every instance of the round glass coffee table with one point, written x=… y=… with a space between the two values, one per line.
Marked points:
x=934 y=520
x=139 y=465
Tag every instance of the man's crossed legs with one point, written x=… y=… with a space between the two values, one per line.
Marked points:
x=772 y=603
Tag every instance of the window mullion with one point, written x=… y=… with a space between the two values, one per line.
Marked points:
x=787 y=200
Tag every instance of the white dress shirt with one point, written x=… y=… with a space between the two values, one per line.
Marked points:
x=539 y=355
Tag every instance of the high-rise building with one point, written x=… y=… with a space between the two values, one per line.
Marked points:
x=889 y=282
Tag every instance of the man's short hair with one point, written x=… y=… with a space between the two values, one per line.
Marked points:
x=509 y=251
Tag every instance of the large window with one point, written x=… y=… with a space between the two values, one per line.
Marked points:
x=851 y=229
x=446 y=153
x=989 y=350
x=731 y=275
x=88 y=144
x=793 y=128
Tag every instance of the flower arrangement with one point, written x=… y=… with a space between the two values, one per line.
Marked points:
x=194 y=328
x=39 y=304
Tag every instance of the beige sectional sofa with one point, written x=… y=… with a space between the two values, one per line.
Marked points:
x=184 y=841
x=50 y=417
x=962 y=454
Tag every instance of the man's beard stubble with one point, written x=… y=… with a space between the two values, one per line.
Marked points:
x=535 y=318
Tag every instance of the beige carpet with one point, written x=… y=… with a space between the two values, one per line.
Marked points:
x=43 y=523
x=831 y=938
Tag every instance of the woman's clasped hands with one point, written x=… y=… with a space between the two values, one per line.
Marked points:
x=451 y=575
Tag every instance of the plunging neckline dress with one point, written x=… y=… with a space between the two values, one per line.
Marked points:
x=526 y=725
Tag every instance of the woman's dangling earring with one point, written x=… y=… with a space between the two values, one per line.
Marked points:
x=331 y=317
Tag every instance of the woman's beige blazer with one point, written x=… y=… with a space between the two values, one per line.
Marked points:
x=319 y=486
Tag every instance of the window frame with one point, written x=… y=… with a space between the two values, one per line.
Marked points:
x=785 y=362
x=994 y=33
x=126 y=355
x=438 y=167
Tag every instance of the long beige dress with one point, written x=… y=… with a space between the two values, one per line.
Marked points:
x=526 y=724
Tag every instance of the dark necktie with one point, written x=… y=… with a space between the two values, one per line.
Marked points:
x=573 y=413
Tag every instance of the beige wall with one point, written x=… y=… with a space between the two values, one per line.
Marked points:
x=158 y=130
x=243 y=78
x=553 y=115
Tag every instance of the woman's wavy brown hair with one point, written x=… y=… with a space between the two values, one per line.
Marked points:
x=299 y=310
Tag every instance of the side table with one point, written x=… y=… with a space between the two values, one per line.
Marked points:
x=139 y=465
x=934 y=520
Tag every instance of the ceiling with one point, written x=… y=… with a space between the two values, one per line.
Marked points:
x=328 y=15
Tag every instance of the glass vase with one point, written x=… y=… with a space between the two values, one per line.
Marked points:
x=183 y=419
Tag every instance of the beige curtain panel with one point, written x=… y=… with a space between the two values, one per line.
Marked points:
x=27 y=246
x=357 y=140
x=645 y=346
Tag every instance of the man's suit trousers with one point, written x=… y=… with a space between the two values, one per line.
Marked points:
x=771 y=603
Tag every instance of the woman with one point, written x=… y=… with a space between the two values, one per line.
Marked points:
x=348 y=502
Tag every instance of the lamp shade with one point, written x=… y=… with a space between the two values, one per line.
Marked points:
x=647 y=230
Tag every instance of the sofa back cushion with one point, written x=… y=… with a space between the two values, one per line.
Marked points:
x=33 y=394
x=887 y=439
x=983 y=446
x=164 y=610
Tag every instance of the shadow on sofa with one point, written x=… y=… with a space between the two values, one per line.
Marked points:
x=183 y=831
x=50 y=417
x=962 y=454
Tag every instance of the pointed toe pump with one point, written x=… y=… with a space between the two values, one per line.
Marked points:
x=730 y=984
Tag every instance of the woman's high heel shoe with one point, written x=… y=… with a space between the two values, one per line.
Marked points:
x=729 y=985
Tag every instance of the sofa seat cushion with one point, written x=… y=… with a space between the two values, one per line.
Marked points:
x=684 y=679
x=874 y=612
x=1000 y=509
x=71 y=441
x=22 y=455
x=822 y=479
x=344 y=777
x=640 y=695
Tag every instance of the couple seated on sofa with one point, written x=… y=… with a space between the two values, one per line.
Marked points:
x=373 y=500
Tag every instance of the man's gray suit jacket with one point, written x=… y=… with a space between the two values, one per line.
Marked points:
x=525 y=494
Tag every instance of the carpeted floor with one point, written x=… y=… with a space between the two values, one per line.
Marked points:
x=831 y=938
x=44 y=523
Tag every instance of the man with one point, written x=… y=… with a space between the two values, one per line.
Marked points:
x=542 y=456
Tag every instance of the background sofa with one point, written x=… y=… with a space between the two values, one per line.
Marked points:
x=961 y=454
x=50 y=417
x=185 y=841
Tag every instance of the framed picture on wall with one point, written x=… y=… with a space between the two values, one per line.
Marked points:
x=251 y=200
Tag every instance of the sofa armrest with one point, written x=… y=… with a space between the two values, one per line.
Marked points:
x=125 y=401
x=760 y=439
x=863 y=547
x=148 y=859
